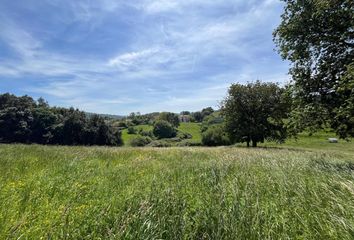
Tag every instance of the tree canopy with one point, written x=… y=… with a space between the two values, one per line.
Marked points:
x=24 y=120
x=172 y=118
x=255 y=112
x=317 y=37
x=163 y=129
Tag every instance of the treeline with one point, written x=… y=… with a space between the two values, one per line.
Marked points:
x=24 y=120
x=136 y=118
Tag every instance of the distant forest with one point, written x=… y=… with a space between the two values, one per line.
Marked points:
x=24 y=120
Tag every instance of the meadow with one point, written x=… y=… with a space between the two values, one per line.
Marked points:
x=52 y=192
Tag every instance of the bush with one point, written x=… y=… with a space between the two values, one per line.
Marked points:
x=146 y=133
x=160 y=143
x=183 y=135
x=163 y=129
x=140 y=141
x=121 y=125
x=215 y=136
x=131 y=130
x=188 y=143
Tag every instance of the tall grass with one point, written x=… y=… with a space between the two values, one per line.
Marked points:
x=174 y=193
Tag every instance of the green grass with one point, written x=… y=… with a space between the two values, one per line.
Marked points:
x=193 y=129
x=317 y=141
x=175 y=193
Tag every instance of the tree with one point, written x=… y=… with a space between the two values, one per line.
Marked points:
x=42 y=125
x=185 y=113
x=73 y=127
x=317 y=37
x=15 y=124
x=172 y=118
x=131 y=130
x=344 y=120
x=16 y=117
x=198 y=116
x=163 y=129
x=207 y=111
x=24 y=120
x=255 y=112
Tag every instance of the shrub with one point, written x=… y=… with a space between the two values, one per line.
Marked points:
x=140 y=141
x=215 y=136
x=183 y=135
x=121 y=125
x=163 y=129
x=160 y=143
x=188 y=143
x=131 y=130
x=146 y=133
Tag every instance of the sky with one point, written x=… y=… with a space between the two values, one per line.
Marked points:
x=122 y=56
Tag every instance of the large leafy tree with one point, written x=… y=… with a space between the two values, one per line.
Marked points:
x=164 y=129
x=255 y=112
x=172 y=118
x=317 y=37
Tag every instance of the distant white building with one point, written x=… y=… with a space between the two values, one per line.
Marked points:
x=184 y=118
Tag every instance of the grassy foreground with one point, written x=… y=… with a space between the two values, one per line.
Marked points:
x=175 y=193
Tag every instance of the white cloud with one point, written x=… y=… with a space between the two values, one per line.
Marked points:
x=20 y=41
x=194 y=49
x=127 y=60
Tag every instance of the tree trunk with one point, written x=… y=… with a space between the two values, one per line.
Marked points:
x=248 y=143
x=254 y=143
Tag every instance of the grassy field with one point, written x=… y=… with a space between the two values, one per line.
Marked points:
x=318 y=141
x=54 y=192
x=193 y=129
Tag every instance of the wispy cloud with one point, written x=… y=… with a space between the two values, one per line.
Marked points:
x=148 y=55
x=130 y=60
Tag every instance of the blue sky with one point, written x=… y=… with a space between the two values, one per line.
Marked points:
x=120 y=56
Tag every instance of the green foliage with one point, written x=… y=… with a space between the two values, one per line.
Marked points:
x=121 y=124
x=189 y=143
x=215 y=135
x=344 y=118
x=199 y=116
x=52 y=192
x=172 y=118
x=160 y=144
x=146 y=133
x=140 y=141
x=317 y=37
x=213 y=119
x=183 y=135
x=24 y=120
x=163 y=129
x=255 y=112
x=143 y=119
x=128 y=137
x=185 y=113
x=131 y=130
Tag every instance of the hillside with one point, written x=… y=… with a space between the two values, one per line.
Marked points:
x=191 y=128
